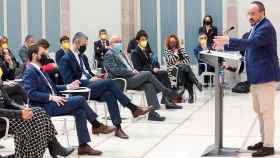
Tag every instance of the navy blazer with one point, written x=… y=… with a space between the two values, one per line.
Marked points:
x=71 y=70
x=100 y=51
x=37 y=88
x=261 y=53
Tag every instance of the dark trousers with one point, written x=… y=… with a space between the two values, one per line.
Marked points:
x=146 y=81
x=187 y=78
x=76 y=106
x=108 y=90
x=162 y=76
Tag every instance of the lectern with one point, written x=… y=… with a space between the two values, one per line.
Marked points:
x=213 y=58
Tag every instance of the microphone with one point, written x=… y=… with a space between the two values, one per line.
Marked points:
x=229 y=30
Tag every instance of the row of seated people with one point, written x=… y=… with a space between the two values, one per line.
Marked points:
x=143 y=59
x=43 y=93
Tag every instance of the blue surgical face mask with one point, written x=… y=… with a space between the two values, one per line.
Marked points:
x=118 y=47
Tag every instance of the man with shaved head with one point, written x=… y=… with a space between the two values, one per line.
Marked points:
x=262 y=70
x=118 y=66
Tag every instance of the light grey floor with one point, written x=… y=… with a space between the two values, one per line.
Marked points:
x=185 y=134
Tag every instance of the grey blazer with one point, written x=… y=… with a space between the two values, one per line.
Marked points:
x=115 y=67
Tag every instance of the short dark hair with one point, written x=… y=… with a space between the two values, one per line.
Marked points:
x=43 y=43
x=260 y=5
x=34 y=49
x=141 y=33
x=78 y=36
x=64 y=38
x=102 y=30
x=28 y=37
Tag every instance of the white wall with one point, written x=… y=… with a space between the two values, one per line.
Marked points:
x=89 y=16
x=272 y=12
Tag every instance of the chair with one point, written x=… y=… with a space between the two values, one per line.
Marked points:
x=68 y=93
x=206 y=73
x=7 y=128
x=6 y=136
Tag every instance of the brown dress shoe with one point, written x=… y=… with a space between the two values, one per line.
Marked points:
x=88 y=150
x=142 y=111
x=120 y=133
x=103 y=129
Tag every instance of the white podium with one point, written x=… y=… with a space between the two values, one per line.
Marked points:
x=214 y=58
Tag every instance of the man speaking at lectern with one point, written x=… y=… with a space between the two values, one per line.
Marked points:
x=262 y=71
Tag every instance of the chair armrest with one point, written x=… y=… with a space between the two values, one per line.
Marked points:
x=7 y=126
x=124 y=83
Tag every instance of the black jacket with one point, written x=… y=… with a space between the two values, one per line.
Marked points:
x=142 y=61
x=8 y=108
x=58 y=55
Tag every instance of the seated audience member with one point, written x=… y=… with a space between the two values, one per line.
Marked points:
x=209 y=29
x=142 y=61
x=23 y=52
x=177 y=58
x=118 y=66
x=101 y=47
x=201 y=68
x=48 y=64
x=74 y=67
x=32 y=128
x=42 y=92
x=65 y=47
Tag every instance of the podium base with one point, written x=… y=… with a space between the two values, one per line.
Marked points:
x=213 y=150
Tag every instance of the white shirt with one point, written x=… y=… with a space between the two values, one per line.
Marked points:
x=38 y=68
x=84 y=77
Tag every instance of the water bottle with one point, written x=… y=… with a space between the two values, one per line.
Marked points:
x=222 y=76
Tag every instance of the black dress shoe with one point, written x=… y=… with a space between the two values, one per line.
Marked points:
x=199 y=86
x=169 y=104
x=154 y=116
x=264 y=151
x=255 y=147
x=190 y=100
x=56 y=149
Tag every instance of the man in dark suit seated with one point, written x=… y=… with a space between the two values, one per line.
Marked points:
x=43 y=93
x=142 y=61
x=117 y=65
x=65 y=47
x=263 y=73
x=73 y=66
x=101 y=47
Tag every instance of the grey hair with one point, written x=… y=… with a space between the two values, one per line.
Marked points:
x=79 y=35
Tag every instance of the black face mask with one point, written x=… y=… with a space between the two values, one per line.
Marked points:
x=44 y=59
x=82 y=49
x=208 y=22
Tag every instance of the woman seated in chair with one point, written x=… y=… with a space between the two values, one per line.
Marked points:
x=32 y=128
x=203 y=67
x=178 y=59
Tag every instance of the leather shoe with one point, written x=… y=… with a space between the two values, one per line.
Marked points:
x=56 y=149
x=103 y=129
x=264 y=151
x=120 y=133
x=142 y=111
x=256 y=146
x=88 y=150
x=171 y=105
x=154 y=116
